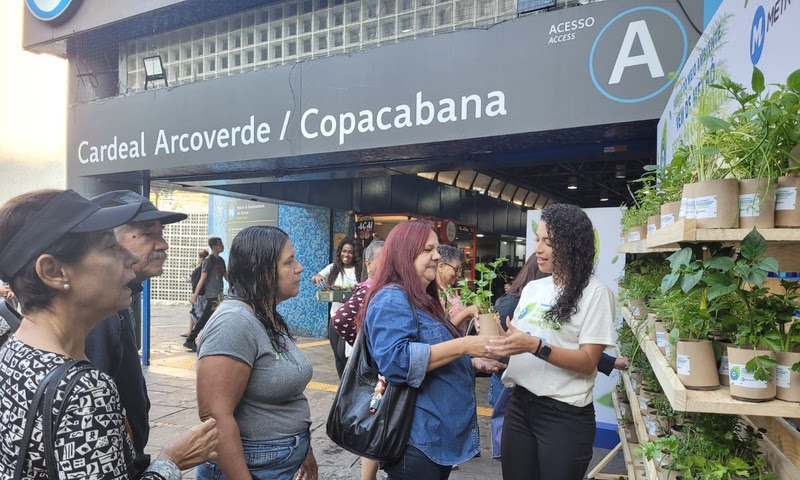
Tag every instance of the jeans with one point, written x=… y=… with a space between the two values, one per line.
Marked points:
x=211 y=305
x=267 y=460
x=415 y=465
x=546 y=439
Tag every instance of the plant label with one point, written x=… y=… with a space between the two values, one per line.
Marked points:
x=627 y=434
x=704 y=207
x=651 y=227
x=749 y=205
x=741 y=377
x=723 y=366
x=661 y=339
x=652 y=427
x=786 y=198
x=634 y=236
x=683 y=209
x=642 y=404
x=635 y=310
x=684 y=365
x=668 y=219
x=783 y=375
x=667 y=350
x=622 y=410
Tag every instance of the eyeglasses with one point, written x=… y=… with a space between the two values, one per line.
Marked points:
x=455 y=269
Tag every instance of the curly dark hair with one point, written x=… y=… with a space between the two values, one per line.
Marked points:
x=572 y=237
x=338 y=265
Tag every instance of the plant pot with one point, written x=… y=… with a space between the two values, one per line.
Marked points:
x=670 y=475
x=651 y=325
x=787 y=381
x=787 y=208
x=636 y=382
x=696 y=367
x=653 y=223
x=677 y=431
x=722 y=367
x=661 y=336
x=638 y=308
x=624 y=408
x=630 y=433
x=757 y=203
x=623 y=237
x=686 y=205
x=487 y=322
x=743 y=385
x=644 y=400
x=669 y=214
x=716 y=203
x=637 y=233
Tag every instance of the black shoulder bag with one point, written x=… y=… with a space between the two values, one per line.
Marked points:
x=382 y=435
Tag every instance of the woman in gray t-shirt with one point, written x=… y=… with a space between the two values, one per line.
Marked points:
x=250 y=374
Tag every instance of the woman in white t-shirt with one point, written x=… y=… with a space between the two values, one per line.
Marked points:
x=344 y=272
x=560 y=327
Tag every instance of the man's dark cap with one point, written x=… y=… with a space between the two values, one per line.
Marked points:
x=68 y=212
x=148 y=211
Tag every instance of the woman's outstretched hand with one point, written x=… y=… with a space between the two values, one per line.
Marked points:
x=512 y=342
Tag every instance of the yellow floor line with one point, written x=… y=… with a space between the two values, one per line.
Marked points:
x=313 y=344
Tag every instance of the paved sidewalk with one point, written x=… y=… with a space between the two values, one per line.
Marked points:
x=171 y=385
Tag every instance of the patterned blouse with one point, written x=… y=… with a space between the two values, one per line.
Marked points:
x=91 y=439
x=344 y=319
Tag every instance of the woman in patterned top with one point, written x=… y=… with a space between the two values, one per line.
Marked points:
x=62 y=259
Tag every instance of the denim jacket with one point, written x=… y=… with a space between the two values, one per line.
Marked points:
x=445 y=425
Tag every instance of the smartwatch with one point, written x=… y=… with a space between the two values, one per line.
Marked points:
x=543 y=351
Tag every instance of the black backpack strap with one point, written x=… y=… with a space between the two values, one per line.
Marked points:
x=11 y=316
x=48 y=425
x=56 y=374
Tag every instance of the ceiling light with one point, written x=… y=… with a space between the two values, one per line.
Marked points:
x=573 y=183
x=480 y=235
x=619 y=171
x=604 y=196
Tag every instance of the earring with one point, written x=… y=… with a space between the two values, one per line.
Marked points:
x=66 y=286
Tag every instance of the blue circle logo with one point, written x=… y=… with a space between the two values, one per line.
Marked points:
x=735 y=373
x=661 y=87
x=758 y=33
x=52 y=10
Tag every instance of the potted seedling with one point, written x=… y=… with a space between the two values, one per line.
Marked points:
x=481 y=296
x=695 y=358
x=787 y=372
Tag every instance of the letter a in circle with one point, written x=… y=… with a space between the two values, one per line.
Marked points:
x=649 y=56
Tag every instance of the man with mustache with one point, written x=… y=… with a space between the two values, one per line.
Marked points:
x=111 y=345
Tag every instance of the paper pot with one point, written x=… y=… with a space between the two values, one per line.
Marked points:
x=630 y=433
x=651 y=325
x=757 y=203
x=653 y=223
x=787 y=381
x=637 y=233
x=743 y=385
x=716 y=203
x=638 y=308
x=488 y=324
x=669 y=213
x=661 y=336
x=787 y=208
x=696 y=367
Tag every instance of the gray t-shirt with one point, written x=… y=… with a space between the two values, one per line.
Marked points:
x=273 y=405
x=215 y=268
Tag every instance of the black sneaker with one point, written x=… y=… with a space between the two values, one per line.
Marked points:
x=190 y=345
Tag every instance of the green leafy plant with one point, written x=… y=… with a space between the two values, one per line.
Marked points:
x=633 y=216
x=785 y=306
x=481 y=296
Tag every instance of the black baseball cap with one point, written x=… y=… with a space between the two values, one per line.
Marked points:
x=68 y=212
x=148 y=211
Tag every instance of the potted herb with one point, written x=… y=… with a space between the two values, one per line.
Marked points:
x=481 y=296
x=788 y=369
x=634 y=222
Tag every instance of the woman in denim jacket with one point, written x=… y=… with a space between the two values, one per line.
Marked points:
x=434 y=358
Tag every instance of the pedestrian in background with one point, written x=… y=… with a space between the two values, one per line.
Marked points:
x=345 y=272
x=210 y=283
x=448 y=273
x=200 y=304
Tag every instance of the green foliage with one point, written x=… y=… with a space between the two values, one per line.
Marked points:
x=717 y=447
x=481 y=297
x=642 y=277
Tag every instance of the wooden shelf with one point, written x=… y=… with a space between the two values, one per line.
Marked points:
x=641 y=429
x=716 y=401
x=626 y=447
x=640 y=246
x=781 y=447
x=685 y=230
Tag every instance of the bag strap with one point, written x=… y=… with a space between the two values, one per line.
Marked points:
x=30 y=418
x=11 y=316
x=48 y=425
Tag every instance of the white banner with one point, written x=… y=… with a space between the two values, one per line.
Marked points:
x=738 y=37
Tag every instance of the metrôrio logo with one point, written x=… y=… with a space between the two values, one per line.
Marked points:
x=53 y=11
x=758 y=33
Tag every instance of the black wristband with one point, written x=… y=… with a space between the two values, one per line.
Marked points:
x=538 y=347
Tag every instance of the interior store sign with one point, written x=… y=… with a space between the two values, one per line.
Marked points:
x=467 y=84
x=741 y=35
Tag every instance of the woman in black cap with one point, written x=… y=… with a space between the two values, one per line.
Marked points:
x=62 y=418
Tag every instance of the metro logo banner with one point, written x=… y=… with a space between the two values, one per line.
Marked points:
x=609 y=62
x=741 y=35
